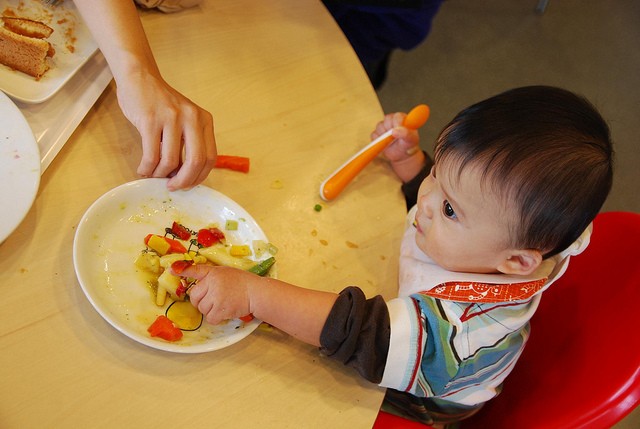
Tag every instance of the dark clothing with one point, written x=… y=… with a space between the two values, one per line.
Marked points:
x=356 y=326
x=375 y=28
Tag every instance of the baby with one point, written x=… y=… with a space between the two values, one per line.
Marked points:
x=516 y=182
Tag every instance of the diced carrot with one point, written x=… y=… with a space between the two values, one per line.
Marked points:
x=164 y=328
x=247 y=318
x=236 y=163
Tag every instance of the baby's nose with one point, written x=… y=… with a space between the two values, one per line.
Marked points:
x=424 y=206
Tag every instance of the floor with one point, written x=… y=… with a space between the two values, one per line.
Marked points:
x=479 y=48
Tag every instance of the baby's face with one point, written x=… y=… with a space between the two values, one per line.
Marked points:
x=460 y=224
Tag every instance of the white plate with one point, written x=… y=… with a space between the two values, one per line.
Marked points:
x=71 y=39
x=110 y=237
x=75 y=99
x=19 y=167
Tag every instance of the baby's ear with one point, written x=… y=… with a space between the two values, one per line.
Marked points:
x=521 y=262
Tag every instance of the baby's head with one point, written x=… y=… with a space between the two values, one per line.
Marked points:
x=530 y=167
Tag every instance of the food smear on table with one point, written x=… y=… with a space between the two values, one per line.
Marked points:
x=178 y=247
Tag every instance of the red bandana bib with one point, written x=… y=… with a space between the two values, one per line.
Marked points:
x=485 y=292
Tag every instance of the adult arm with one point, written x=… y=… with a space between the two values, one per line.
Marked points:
x=166 y=120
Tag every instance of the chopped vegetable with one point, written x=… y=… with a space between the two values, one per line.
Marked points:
x=209 y=236
x=184 y=315
x=231 y=225
x=179 y=266
x=317 y=207
x=259 y=247
x=168 y=283
x=161 y=296
x=167 y=260
x=157 y=243
x=148 y=261
x=164 y=328
x=247 y=318
x=235 y=163
x=207 y=245
x=164 y=245
x=240 y=250
x=180 y=231
x=219 y=255
x=263 y=267
x=181 y=290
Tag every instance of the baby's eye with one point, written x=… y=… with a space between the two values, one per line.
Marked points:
x=448 y=210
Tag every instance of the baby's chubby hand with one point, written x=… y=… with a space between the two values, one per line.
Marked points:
x=404 y=154
x=221 y=293
x=406 y=142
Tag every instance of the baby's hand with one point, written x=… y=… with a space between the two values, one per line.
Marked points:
x=406 y=142
x=221 y=293
x=404 y=153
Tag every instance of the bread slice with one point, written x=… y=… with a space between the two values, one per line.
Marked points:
x=27 y=27
x=23 y=46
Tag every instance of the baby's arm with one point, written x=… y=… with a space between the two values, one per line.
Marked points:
x=223 y=293
x=404 y=154
x=347 y=327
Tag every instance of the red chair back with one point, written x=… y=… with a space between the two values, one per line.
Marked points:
x=581 y=367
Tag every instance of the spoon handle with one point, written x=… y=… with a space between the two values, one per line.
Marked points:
x=339 y=179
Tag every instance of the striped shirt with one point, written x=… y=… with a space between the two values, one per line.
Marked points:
x=457 y=336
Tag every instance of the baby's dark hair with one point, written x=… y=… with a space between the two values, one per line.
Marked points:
x=544 y=148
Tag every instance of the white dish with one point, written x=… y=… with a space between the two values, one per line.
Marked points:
x=110 y=237
x=71 y=39
x=19 y=167
x=75 y=99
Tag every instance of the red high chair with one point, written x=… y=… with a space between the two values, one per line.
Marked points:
x=581 y=366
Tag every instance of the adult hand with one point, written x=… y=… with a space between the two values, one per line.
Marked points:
x=169 y=124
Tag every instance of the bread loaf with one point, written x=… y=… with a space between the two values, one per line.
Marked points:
x=23 y=46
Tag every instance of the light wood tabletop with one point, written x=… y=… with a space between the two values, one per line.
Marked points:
x=285 y=90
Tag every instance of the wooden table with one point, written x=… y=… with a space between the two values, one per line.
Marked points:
x=286 y=90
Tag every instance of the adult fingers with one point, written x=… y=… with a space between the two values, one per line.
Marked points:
x=200 y=154
x=170 y=150
x=151 y=141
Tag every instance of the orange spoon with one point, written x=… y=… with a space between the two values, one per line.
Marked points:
x=339 y=179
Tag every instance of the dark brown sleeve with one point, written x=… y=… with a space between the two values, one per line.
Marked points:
x=357 y=333
x=410 y=189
